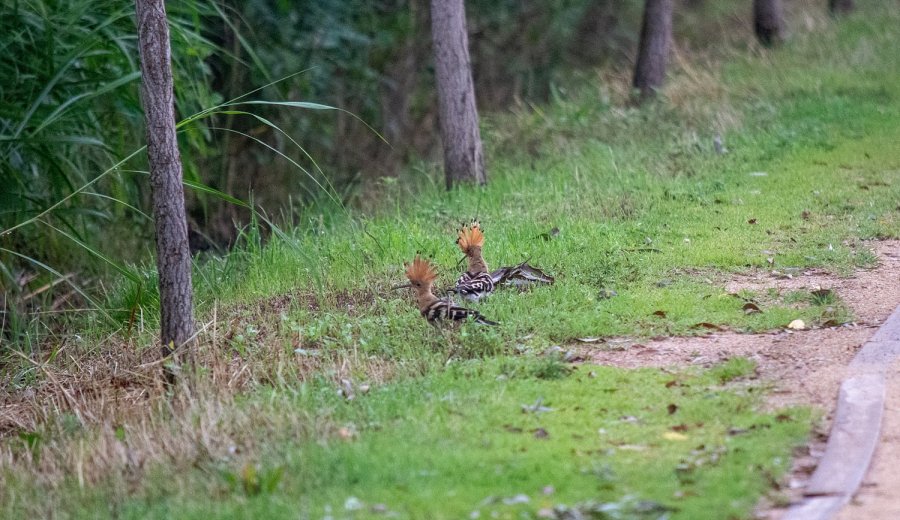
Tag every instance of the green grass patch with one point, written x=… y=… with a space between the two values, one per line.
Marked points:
x=651 y=220
x=500 y=438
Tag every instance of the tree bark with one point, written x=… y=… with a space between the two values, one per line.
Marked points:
x=463 y=154
x=656 y=38
x=173 y=257
x=768 y=21
x=840 y=7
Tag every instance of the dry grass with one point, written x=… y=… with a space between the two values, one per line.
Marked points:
x=105 y=414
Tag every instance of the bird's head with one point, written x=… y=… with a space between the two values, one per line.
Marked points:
x=470 y=240
x=421 y=275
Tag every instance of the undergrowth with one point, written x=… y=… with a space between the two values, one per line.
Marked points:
x=320 y=390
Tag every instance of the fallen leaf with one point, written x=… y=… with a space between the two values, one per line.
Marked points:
x=797 y=325
x=783 y=417
x=672 y=408
x=552 y=350
x=606 y=294
x=670 y=384
x=521 y=498
x=750 y=308
x=707 y=325
x=805 y=214
x=346 y=389
x=673 y=436
x=822 y=293
x=537 y=407
x=540 y=433
x=679 y=428
x=489 y=500
x=661 y=314
x=751 y=221
x=550 y=234
x=571 y=357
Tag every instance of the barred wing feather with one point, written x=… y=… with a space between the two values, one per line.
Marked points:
x=447 y=310
x=474 y=286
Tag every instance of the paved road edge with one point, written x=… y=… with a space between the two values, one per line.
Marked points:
x=856 y=429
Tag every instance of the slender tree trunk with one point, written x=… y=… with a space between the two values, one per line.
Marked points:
x=839 y=7
x=463 y=155
x=656 y=38
x=173 y=257
x=768 y=21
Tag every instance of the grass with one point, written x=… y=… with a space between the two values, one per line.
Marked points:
x=474 y=437
x=651 y=222
x=660 y=219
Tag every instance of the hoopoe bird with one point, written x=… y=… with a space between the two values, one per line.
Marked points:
x=476 y=282
x=421 y=275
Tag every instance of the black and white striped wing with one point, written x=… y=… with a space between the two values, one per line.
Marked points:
x=447 y=310
x=522 y=274
x=474 y=286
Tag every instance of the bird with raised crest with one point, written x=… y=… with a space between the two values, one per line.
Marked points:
x=421 y=275
x=478 y=280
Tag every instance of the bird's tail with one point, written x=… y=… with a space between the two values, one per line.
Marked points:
x=521 y=274
x=484 y=321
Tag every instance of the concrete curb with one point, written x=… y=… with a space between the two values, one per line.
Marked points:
x=856 y=429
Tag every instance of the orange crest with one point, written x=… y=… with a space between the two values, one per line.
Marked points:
x=470 y=236
x=420 y=270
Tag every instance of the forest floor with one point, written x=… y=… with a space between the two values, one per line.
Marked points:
x=658 y=376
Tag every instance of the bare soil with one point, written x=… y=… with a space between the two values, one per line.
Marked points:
x=803 y=368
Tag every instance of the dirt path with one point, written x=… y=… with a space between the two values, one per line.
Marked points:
x=806 y=367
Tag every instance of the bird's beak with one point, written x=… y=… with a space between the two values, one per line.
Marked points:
x=401 y=286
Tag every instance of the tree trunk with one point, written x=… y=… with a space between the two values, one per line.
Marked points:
x=839 y=7
x=173 y=257
x=463 y=155
x=656 y=37
x=768 y=21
